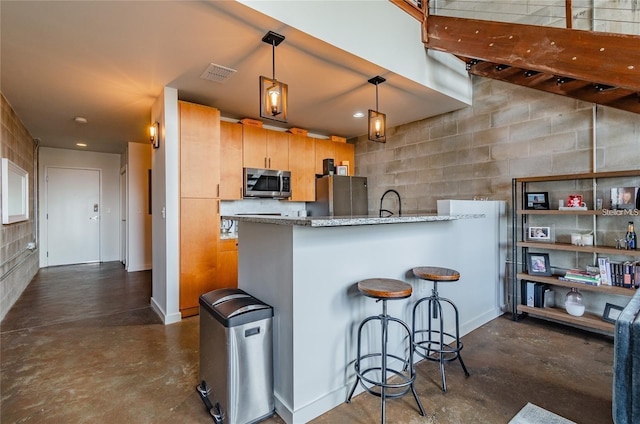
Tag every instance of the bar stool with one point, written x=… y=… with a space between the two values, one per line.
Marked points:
x=436 y=344
x=383 y=289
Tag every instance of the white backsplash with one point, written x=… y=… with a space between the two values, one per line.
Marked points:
x=260 y=206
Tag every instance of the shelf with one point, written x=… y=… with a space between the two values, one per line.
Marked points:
x=612 y=290
x=584 y=176
x=568 y=247
x=588 y=320
x=559 y=212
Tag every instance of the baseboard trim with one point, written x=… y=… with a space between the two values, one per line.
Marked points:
x=166 y=318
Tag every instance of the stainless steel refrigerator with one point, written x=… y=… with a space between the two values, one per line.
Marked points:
x=340 y=195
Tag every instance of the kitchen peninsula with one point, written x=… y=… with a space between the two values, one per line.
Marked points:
x=307 y=269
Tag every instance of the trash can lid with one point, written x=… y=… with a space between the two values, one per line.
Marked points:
x=233 y=307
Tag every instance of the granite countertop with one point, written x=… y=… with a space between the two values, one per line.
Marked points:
x=341 y=221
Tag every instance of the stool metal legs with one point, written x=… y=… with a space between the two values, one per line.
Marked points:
x=405 y=383
x=430 y=343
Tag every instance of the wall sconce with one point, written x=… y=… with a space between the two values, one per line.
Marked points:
x=154 y=134
x=377 y=120
x=273 y=93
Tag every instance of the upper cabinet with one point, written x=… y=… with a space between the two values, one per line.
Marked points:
x=230 y=161
x=199 y=150
x=302 y=167
x=338 y=151
x=264 y=148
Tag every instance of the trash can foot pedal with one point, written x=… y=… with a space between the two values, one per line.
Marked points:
x=214 y=411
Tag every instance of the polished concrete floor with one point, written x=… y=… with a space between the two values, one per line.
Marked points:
x=83 y=346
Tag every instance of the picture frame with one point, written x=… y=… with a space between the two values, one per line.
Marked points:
x=575 y=201
x=537 y=200
x=611 y=312
x=624 y=198
x=539 y=233
x=342 y=170
x=15 y=192
x=538 y=264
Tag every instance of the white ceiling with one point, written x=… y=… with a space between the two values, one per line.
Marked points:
x=108 y=61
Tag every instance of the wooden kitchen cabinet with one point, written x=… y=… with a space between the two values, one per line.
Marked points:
x=230 y=161
x=199 y=233
x=278 y=150
x=254 y=147
x=263 y=148
x=324 y=149
x=334 y=149
x=227 y=270
x=302 y=167
x=345 y=152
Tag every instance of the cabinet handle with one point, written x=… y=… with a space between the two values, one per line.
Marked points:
x=269 y=164
x=218 y=190
x=265 y=162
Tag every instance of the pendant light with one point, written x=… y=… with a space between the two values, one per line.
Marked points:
x=273 y=93
x=377 y=120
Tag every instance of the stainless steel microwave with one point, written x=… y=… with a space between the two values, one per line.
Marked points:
x=267 y=183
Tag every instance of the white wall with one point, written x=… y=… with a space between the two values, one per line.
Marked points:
x=138 y=216
x=165 y=209
x=109 y=164
x=373 y=30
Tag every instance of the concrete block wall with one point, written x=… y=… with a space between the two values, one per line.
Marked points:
x=509 y=131
x=17 y=264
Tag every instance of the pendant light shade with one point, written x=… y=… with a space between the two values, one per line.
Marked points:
x=273 y=93
x=377 y=120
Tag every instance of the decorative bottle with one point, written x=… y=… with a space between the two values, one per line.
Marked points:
x=573 y=303
x=631 y=237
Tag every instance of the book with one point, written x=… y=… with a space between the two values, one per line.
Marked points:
x=605 y=271
x=580 y=276
x=527 y=293
x=538 y=295
x=549 y=298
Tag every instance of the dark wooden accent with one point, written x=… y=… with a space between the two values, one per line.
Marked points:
x=435 y=273
x=384 y=288
x=568 y=14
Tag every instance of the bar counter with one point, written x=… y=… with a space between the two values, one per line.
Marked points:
x=308 y=269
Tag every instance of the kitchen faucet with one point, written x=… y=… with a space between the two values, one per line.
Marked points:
x=386 y=210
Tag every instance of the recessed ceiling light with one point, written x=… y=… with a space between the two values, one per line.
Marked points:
x=358 y=115
x=81 y=144
x=80 y=120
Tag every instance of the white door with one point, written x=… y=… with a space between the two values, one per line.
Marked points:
x=73 y=215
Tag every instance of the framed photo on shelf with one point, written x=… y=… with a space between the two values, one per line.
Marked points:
x=575 y=201
x=342 y=170
x=611 y=312
x=539 y=234
x=538 y=200
x=624 y=198
x=538 y=264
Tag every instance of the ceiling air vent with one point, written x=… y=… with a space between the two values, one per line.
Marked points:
x=217 y=73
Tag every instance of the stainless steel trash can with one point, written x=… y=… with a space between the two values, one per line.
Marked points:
x=236 y=357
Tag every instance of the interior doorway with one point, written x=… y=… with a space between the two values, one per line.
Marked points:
x=72 y=215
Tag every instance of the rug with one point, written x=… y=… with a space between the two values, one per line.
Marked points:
x=532 y=414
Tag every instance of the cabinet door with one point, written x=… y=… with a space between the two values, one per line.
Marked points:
x=199 y=150
x=278 y=150
x=230 y=161
x=325 y=149
x=199 y=233
x=228 y=264
x=254 y=147
x=302 y=165
x=345 y=152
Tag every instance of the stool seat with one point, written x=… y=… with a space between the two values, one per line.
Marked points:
x=435 y=273
x=384 y=288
